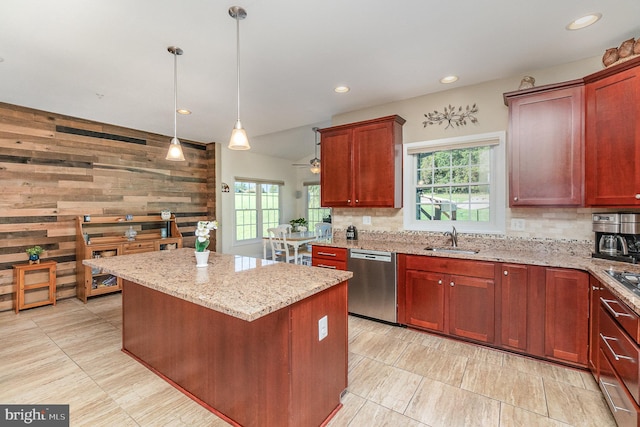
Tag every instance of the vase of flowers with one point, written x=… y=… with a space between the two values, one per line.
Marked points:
x=34 y=254
x=296 y=224
x=202 y=241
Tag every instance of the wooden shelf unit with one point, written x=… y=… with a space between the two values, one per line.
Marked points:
x=105 y=236
x=23 y=270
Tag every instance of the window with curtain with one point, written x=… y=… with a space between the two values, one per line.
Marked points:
x=315 y=212
x=456 y=182
x=257 y=208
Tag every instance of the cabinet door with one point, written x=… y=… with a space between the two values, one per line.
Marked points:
x=566 y=315
x=374 y=165
x=546 y=143
x=514 y=313
x=336 y=173
x=594 y=304
x=472 y=308
x=425 y=299
x=612 y=154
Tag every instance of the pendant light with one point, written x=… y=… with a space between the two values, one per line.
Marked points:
x=175 y=149
x=239 y=140
x=315 y=162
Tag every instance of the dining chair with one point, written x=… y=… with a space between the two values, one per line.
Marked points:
x=286 y=227
x=280 y=250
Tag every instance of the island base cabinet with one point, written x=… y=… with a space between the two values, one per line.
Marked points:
x=272 y=371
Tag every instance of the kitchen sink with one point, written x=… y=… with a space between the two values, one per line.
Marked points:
x=452 y=250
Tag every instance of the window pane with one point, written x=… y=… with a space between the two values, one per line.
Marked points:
x=453 y=185
x=315 y=213
x=257 y=207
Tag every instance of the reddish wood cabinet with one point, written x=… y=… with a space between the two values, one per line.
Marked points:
x=455 y=297
x=329 y=257
x=513 y=300
x=362 y=164
x=535 y=310
x=612 y=139
x=566 y=315
x=546 y=145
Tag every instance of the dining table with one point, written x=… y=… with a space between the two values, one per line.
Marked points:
x=295 y=240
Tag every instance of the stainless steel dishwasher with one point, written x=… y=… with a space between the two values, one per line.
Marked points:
x=372 y=290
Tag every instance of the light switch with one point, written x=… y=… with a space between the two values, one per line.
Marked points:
x=366 y=220
x=517 y=224
x=323 y=328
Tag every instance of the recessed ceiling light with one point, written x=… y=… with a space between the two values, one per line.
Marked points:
x=342 y=89
x=183 y=111
x=585 y=21
x=449 y=79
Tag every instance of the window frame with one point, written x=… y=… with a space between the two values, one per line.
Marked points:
x=259 y=210
x=497 y=185
x=306 y=194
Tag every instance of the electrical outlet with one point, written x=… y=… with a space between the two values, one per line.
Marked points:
x=517 y=224
x=366 y=220
x=323 y=328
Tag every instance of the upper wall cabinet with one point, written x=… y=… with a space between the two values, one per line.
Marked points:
x=362 y=164
x=612 y=143
x=546 y=145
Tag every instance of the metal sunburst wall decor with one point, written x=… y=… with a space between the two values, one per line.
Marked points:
x=452 y=116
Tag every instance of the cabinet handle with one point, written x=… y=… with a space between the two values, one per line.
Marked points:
x=357 y=201
x=596 y=288
x=348 y=200
x=506 y=273
x=606 y=392
x=440 y=282
x=451 y=284
x=327 y=254
x=615 y=355
x=327 y=266
x=615 y=313
x=515 y=199
x=638 y=196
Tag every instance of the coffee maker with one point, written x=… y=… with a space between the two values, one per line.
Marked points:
x=617 y=236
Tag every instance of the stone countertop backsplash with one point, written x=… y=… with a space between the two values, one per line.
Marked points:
x=243 y=287
x=544 y=252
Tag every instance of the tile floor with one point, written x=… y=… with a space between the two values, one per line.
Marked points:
x=71 y=354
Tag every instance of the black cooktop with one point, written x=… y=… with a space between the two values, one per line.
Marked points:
x=630 y=281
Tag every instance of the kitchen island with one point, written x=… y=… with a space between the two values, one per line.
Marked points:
x=244 y=337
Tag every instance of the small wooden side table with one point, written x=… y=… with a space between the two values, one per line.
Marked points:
x=21 y=286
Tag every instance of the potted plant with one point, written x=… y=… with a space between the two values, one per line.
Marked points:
x=297 y=223
x=34 y=254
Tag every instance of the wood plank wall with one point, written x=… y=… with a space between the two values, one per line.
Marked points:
x=54 y=168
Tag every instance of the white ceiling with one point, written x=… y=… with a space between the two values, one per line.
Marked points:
x=107 y=60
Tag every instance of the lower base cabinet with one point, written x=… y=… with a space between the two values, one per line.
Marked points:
x=616 y=350
x=442 y=295
x=534 y=310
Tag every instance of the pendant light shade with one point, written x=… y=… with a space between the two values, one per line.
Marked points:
x=315 y=162
x=175 y=148
x=239 y=140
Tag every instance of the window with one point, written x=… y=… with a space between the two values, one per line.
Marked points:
x=257 y=208
x=315 y=213
x=455 y=182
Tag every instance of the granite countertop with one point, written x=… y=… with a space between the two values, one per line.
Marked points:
x=504 y=251
x=243 y=287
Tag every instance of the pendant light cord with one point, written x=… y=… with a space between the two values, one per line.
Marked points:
x=175 y=94
x=238 y=59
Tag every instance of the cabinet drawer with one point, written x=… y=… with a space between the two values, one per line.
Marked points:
x=137 y=247
x=622 y=407
x=620 y=312
x=329 y=253
x=622 y=353
x=329 y=263
x=480 y=269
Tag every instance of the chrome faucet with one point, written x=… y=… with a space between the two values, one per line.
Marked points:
x=454 y=237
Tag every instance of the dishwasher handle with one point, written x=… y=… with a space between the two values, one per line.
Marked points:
x=371 y=255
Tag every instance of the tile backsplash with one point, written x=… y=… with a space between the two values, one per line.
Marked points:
x=570 y=224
